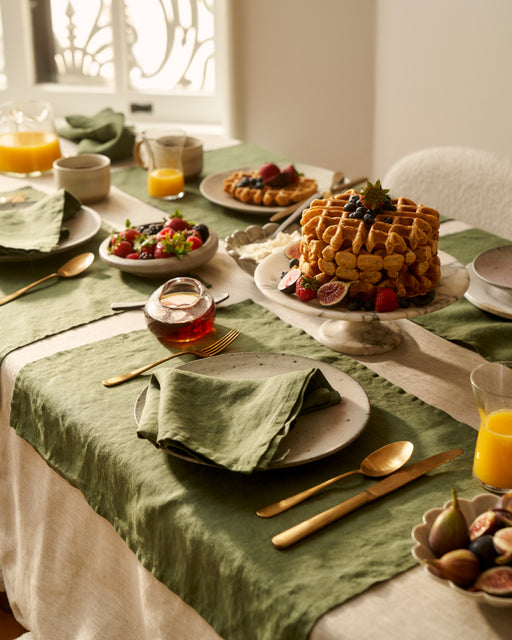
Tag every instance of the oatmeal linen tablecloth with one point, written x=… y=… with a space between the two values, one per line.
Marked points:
x=184 y=521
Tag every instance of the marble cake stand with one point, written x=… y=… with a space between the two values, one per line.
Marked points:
x=361 y=332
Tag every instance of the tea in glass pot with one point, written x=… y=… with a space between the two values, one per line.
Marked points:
x=28 y=140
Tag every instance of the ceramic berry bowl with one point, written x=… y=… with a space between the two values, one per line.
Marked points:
x=423 y=553
x=160 y=250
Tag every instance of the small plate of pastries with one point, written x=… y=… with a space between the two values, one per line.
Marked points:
x=264 y=189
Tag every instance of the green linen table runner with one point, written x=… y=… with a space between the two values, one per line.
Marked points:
x=193 y=205
x=195 y=527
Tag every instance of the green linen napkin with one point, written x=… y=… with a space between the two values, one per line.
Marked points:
x=237 y=424
x=103 y=133
x=37 y=227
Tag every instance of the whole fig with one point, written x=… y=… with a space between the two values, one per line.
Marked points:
x=450 y=529
x=461 y=566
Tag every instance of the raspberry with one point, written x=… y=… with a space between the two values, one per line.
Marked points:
x=386 y=300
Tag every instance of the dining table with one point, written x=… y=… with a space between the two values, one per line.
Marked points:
x=104 y=535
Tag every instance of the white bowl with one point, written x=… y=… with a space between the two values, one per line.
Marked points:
x=163 y=267
x=422 y=552
x=494 y=266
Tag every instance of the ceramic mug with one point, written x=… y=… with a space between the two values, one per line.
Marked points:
x=86 y=176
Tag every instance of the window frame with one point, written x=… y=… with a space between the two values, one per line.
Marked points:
x=65 y=99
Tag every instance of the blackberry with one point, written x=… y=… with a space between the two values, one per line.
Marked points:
x=203 y=231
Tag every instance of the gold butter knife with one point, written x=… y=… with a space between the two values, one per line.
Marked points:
x=382 y=488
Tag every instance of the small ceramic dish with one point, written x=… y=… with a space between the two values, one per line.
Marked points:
x=494 y=267
x=163 y=267
x=252 y=234
x=422 y=552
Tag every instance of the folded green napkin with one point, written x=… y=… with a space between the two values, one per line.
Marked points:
x=37 y=227
x=237 y=424
x=103 y=133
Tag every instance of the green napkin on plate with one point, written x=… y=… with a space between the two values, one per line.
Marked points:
x=237 y=424
x=36 y=227
x=103 y=133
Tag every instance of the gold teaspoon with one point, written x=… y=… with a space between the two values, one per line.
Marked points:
x=71 y=268
x=381 y=462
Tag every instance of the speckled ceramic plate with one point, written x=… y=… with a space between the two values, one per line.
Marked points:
x=212 y=188
x=488 y=298
x=314 y=435
x=422 y=552
x=494 y=266
x=83 y=226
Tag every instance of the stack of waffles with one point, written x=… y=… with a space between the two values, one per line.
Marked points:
x=267 y=195
x=399 y=250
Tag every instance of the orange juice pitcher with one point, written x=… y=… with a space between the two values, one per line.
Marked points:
x=163 y=160
x=28 y=140
x=492 y=388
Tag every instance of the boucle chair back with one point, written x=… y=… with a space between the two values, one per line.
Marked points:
x=468 y=184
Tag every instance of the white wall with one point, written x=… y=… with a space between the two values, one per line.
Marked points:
x=443 y=77
x=304 y=79
x=356 y=84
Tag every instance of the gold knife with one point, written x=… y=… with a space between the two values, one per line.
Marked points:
x=399 y=479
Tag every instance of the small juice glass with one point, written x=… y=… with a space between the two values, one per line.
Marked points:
x=492 y=388
x=28 y=141
x=163 y=151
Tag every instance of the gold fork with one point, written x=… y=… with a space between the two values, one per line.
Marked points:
x=212 y=350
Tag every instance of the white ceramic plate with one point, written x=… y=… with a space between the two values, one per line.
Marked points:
x=421 y=550
x=164 y=267
x=315 y=435
x=83 y=226
x=488 y=298
x=211 y=188
x=452 y=285
x=494 y=267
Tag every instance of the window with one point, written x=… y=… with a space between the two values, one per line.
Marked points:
x=153 y=58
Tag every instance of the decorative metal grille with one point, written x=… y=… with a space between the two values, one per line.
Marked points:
x=169 y=44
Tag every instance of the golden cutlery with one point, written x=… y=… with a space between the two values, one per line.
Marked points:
x=389 y=484
x=71 y=268
x=381 y=462
x=212 y=350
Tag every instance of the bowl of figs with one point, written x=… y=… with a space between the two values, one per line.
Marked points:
x=467 y=546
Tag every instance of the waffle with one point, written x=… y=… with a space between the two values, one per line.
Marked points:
x=399 y=250
x=268 y=196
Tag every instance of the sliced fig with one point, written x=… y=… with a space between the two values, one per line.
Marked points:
x=289 y=280
x=486 y=523
x=505 y=502
x=332 y=293
x=496 y=581
x=292 y=251
x=503 y=544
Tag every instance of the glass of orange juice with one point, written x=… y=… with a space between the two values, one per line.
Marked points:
x=163 y=159
x=28 y=140
x=492 y=388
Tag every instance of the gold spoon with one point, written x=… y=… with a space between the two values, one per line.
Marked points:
x=381 y=462
x=71 y=268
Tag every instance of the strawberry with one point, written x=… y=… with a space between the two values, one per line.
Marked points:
x=195 y=240
x=269 y=171
x=386 y=300
x=306 y=288
x=132 y=256
x=294 y=174
x=121 y=248
x=166 y=232
x=373 y=196
x=178 y=224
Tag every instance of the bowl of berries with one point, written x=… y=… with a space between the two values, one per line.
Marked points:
x=168 y=248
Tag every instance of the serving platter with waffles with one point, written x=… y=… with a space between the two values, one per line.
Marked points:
x=364 y=260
